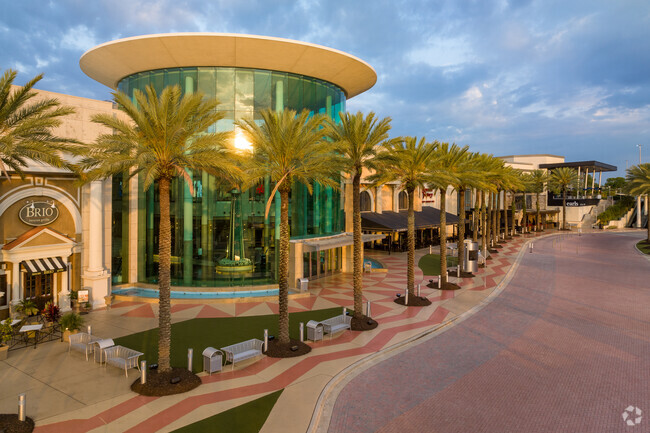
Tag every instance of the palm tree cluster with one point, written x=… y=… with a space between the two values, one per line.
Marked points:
x=164 y=136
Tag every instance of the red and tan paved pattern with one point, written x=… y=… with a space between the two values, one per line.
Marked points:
x=565 y=348
x=79 y=406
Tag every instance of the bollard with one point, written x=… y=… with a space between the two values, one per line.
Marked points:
x=458 y=271
x=418 y=289
x=430 y=249
x=406 y=296
x=266 y=340
x=90 y=330
x=368 y=309
x=22 y=402
x=302 y=331
x=143 y=371
x=439 y=281
x=190 y=355
x=345 y=311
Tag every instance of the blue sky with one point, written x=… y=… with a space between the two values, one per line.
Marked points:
x=505 y=77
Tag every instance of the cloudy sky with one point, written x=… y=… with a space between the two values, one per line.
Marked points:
x=506 y=77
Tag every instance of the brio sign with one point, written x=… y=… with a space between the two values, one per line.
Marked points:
x=38 y=213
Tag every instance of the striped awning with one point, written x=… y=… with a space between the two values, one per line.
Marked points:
x=48 y=265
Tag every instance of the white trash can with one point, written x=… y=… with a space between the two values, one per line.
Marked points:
x=314 y=330
x=212 y=360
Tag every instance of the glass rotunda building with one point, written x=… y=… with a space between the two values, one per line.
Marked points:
x=218 y=222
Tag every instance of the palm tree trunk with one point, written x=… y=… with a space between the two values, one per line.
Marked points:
x=490 y=226
x=537 y=228
x=164 y=272
x=475 y=216
x=410 y=277
x=283 y=277
x=564 y=209
x=484 y=228
x=443 y=235
x=524 y=220
x=357 y=263
x=498 y=211
x=513 y=208
x=505 y=215
x=461 y=228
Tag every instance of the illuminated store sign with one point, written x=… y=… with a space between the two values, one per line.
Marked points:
x=38 y=213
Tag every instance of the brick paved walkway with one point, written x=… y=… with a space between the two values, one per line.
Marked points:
x=565 y=348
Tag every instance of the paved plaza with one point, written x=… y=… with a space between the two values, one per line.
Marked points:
x=561 y=345
x=564 y=348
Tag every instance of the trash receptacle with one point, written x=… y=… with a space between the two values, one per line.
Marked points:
x=212 y=360
x=367 y=267
x=471 y=256
x=303 y=284
x=314 y=330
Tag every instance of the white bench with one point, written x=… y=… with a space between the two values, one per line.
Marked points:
x=336 y=324
x=122 y=357
x=82 y=342
x=244 y=350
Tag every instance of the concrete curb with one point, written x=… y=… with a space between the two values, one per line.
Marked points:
x=325 y=404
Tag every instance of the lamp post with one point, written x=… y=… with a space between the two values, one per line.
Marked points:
x=638 y=198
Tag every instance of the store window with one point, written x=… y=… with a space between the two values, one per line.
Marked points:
x=403 y=200
x=4 y=294
x=365 y=201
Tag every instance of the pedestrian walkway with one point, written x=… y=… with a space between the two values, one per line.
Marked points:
x=564 y=348
x=71 y=395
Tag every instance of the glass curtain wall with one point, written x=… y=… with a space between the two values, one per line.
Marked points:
x=201 y=222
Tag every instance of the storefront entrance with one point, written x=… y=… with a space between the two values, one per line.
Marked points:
x=38 y=288
x=318 y=264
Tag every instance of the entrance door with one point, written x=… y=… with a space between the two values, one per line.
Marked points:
x=38 y=288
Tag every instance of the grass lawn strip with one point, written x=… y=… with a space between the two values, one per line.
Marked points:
x=247 y=418
x=216 y=332
x=430 y=263
x=644 y=246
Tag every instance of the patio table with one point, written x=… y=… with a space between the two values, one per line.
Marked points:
x=27 y=329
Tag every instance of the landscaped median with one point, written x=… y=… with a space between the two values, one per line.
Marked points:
x=644 y=246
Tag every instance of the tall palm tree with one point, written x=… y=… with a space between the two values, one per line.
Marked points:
x=450 y=161
x=538 y=180
x=357 y=137
x=468 y=175
x=290 y=148
x=26 y=127
x=561 y=179
x=164 y=135
x=638 y=183
x=408 y=161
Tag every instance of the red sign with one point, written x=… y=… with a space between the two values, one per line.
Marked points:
x=427 y=195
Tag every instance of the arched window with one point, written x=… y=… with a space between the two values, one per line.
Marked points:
x=403 y=200
x=365 y=202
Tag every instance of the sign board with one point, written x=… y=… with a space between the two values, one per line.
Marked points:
x=38 y=213
x=82 y=296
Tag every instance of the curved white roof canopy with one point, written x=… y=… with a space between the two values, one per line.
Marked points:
x=108 y=63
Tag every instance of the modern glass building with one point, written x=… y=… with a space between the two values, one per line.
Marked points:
x=219 y=223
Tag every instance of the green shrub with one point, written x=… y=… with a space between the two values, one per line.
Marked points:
x=617 y=210
x=71 y=321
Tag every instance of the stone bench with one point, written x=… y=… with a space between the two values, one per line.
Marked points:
x=242 y=351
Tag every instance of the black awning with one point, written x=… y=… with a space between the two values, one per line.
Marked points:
x=48 y=265
x=398 y=221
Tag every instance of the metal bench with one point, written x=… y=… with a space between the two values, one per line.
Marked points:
x=122 y=357
x=244 y=350
x=336 y=324
x=82 y=342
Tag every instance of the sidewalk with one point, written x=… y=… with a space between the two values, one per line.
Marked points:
x=66 y=393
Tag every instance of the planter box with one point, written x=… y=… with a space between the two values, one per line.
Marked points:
x=4 y=351
x=67 y=334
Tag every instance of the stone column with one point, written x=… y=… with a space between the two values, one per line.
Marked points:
x=95 y=276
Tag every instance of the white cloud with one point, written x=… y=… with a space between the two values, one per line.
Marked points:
x=442 y=52
x=79 y=38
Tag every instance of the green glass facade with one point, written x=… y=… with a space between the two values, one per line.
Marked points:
x=204 y=224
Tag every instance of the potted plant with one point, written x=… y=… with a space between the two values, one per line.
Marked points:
x=51 y=312
x=5 y=335
x=70 y=323
x=74 y=297
x=27 y=307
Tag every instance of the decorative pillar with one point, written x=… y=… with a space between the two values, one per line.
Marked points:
x=95 y=276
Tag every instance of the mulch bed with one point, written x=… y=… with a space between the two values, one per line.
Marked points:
x=414 y=301
x=9 y=424
x=463 y=274
x=159 y=384
x=363 y=323
x=279 y=350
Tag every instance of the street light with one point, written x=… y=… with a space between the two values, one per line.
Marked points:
x=639 y=146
